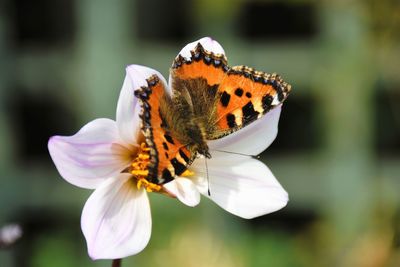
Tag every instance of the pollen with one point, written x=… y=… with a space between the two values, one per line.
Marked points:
x=150 y=187
x=187 y=173
x=140 y=170
x=138 y=173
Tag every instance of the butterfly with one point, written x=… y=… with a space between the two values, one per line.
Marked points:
x=208 y=100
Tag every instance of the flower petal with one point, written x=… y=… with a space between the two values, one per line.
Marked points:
x=252 y=139
x=91 y=155
x=128 y=108
x=208 y=44
x=116 y=219
x=239 y=184
x=185 y=190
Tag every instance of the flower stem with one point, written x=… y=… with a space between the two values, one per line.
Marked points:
x=116 y=263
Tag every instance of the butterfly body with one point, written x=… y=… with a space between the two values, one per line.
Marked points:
x=209 y=100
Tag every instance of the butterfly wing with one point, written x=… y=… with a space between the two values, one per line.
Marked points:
x=225 y=99
x=168 y=156
x=244 y=95
x=196 y=81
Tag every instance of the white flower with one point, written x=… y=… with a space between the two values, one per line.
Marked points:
x=116 y=219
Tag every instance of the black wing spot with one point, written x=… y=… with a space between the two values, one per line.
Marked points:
x=231 y=120
x=249 y=113
x=239 y=92
x=169 y=139
x=225 y=97
x=165 y=146
x=183 y=155
x=179 y=167
x=266 y=102
x=248 y=95
x=167 y=176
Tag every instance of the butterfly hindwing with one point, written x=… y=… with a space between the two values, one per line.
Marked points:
x=168 y=156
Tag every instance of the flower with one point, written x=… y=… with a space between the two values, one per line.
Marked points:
x=116 y=219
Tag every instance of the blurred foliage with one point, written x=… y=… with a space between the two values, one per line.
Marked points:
x=384 y=19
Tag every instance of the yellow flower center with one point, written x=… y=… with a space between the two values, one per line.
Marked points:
x=139 y=169
x=187 y=173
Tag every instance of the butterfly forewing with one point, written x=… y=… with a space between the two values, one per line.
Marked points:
x=225 y=99
x=168 y=156
x=245 y=95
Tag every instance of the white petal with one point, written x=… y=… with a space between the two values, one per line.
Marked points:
x=128 y=108
x=208 y=44
x=252 y=139
x=241 y=185
x=91 y=155
x=185 y=190
x=116 y=219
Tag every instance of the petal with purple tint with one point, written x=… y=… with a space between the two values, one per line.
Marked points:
x=116 y=219
x=252 y=139
x=128 y=107
x=91 y=155
x=240 y=184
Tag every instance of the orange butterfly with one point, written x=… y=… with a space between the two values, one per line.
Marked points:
x=209 y=100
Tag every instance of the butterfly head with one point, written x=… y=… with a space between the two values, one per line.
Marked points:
x=202 y=149
x=206 y=153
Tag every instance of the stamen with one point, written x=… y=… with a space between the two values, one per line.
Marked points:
x=140 y=171
x=144 y=147
x=187 y=173
x=150 y=187
x=144 y=156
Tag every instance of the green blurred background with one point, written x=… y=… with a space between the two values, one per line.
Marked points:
x=62 y=64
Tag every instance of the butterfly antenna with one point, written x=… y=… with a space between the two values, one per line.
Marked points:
x=236 y=153
x=208 y=178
